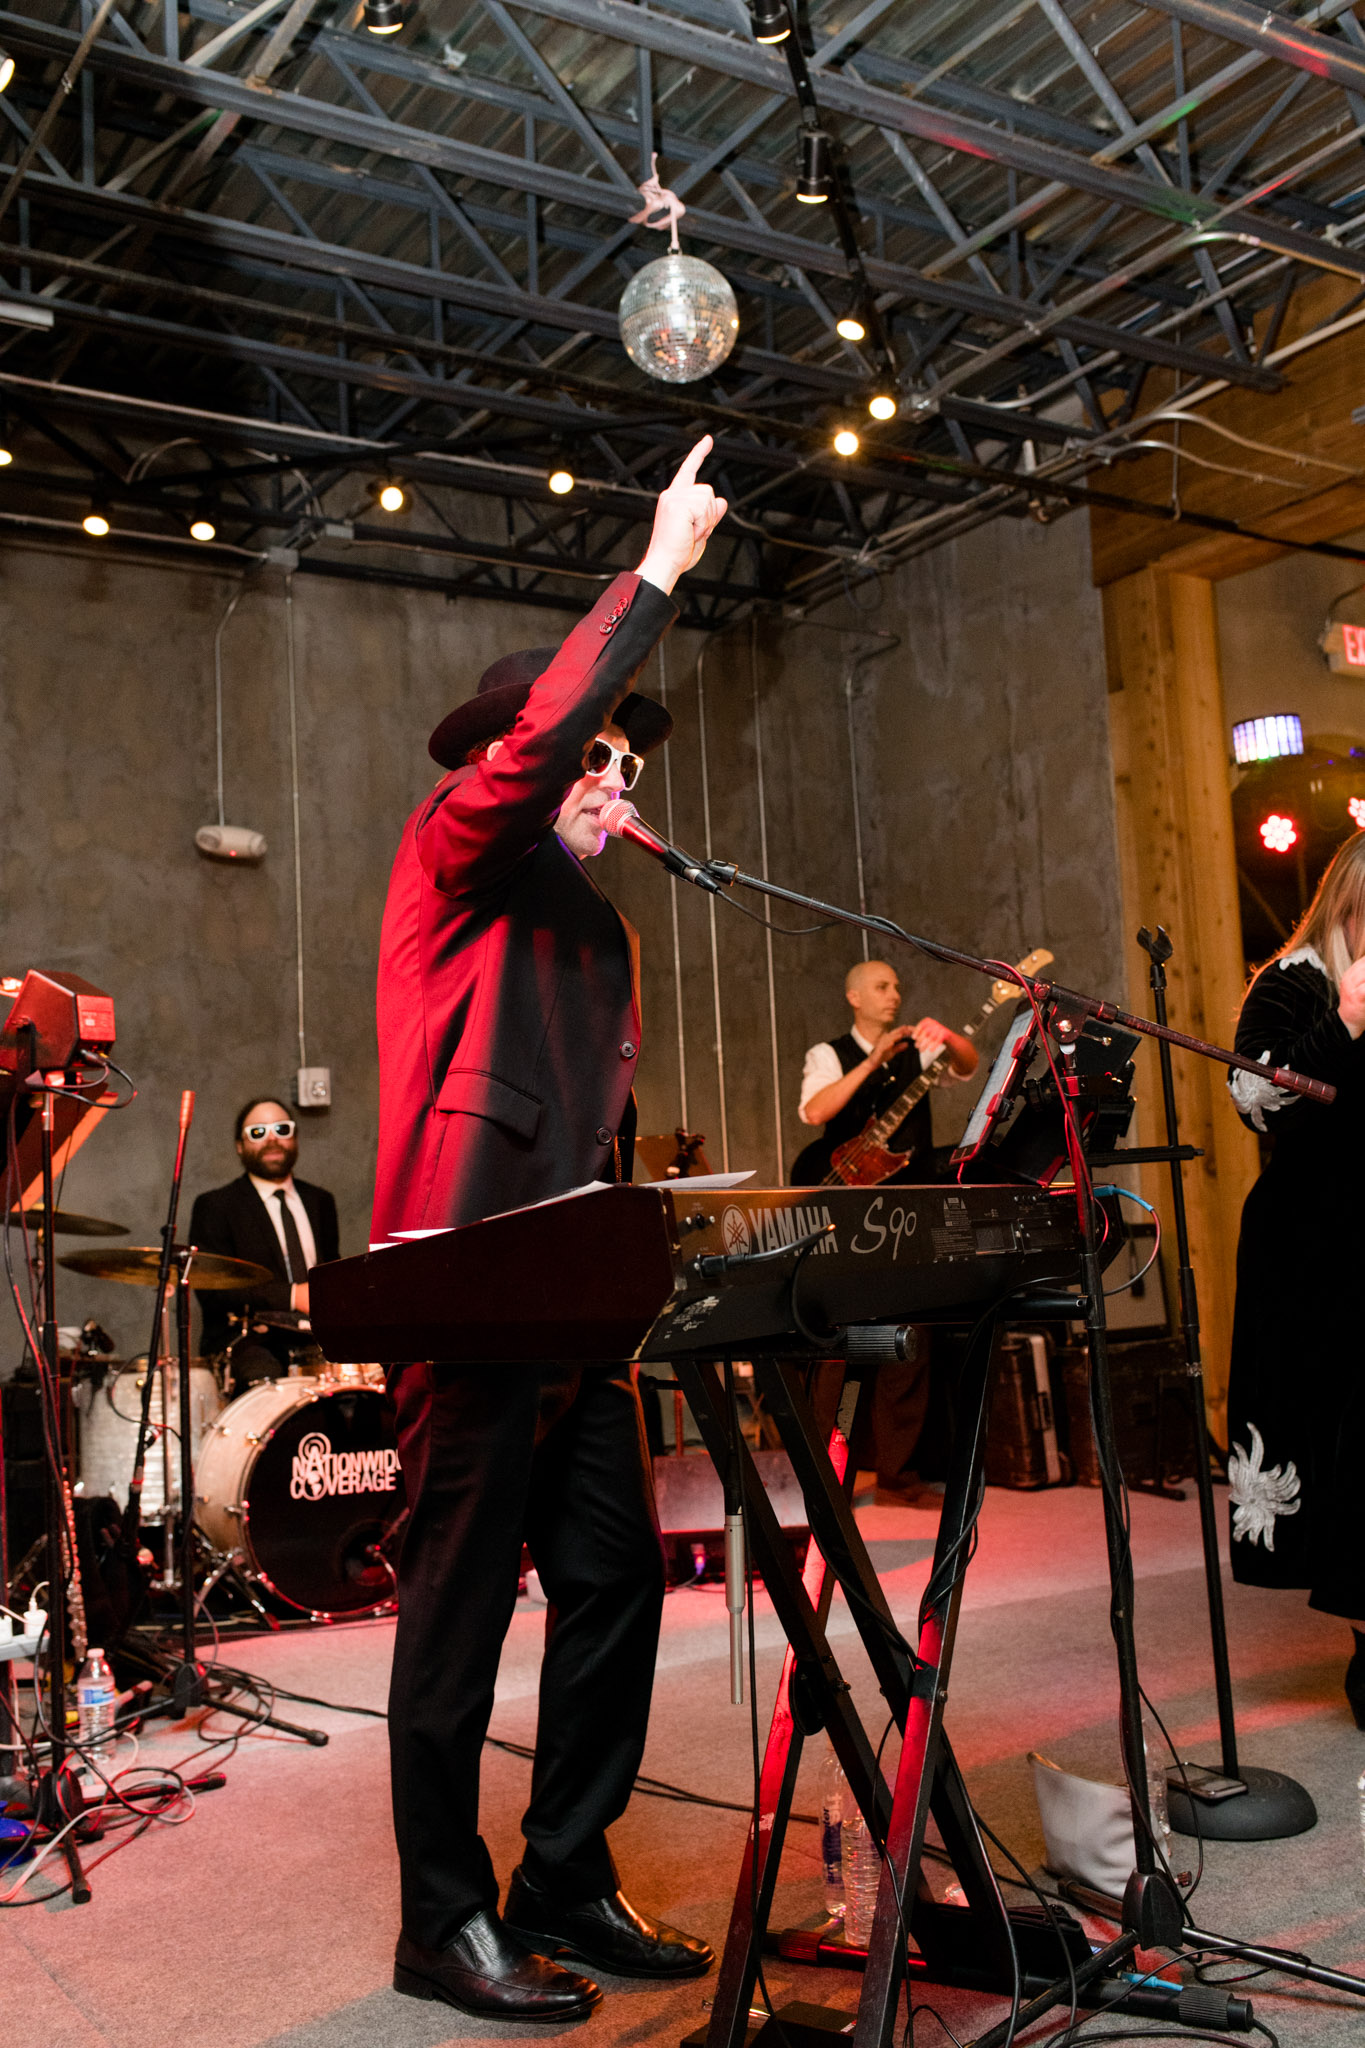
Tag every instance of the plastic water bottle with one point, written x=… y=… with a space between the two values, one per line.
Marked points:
x=1154 y=1749
x=862 y=1876
x=833 y=1806
x=95 y=1704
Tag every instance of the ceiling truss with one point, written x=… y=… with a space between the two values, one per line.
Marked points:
x=282 y=259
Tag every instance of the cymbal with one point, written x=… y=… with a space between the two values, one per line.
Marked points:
x=68 y=1222
x=137 y=1265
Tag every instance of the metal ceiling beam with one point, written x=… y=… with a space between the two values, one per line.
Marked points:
x=852 y=96
x=457 y=396
x=637 y=25
x=1259 y=28
x=335 y=260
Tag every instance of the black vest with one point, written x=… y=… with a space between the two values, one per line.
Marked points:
x=877 y=1094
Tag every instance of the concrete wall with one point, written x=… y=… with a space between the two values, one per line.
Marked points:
x=986 y=797
x=983 y=775
x=1269 y=621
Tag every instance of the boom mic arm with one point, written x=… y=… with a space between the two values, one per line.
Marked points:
x=623 y=821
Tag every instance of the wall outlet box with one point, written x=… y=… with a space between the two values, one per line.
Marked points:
x=313 y=1088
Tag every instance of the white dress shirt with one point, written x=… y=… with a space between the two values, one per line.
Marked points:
x=268 y=1190
x=822 y=1066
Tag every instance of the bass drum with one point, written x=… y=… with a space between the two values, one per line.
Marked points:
x=299 y=1478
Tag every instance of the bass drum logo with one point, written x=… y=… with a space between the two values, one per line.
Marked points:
x=735 y=1234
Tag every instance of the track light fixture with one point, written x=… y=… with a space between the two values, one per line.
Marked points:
x=391 y=497
x=882 y=405
x=96 y=520
x=851 y=328
x=203 y=528
x=6 y=69
x=561 y=482
x=846 y=442
x=383 y=17
x=772 y=23
x=813 y=180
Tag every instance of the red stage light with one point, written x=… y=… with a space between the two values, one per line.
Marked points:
x=1278 y=833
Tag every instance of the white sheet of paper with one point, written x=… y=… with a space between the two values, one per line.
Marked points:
x=700 y=1182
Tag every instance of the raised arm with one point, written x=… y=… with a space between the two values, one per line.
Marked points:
x=478 y=827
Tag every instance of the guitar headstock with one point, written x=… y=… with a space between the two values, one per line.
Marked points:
x=1032 y=963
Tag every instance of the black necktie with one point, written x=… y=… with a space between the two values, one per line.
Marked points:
x=293 y=1243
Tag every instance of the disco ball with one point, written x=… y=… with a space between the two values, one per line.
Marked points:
x=678 y=319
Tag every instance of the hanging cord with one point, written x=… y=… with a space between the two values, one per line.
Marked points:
x=232 y=605
x=294 y=796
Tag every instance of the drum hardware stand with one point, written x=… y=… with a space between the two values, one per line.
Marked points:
x=1273 y=1805
x=57 y=1797
x=927 y=1780
x=188 y=1685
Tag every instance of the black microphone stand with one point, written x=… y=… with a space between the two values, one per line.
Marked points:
x=1152 y=1908
x=1273 y=1805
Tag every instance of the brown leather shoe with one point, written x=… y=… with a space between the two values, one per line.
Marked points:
x=488 y=1972
x=606 y=1934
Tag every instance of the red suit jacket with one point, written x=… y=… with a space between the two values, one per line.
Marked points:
x=509 y=1018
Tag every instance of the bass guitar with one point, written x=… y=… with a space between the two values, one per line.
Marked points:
x=863 y=1161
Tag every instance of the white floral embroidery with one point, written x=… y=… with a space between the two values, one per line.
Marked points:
x=1254 y=1096
x=1257 y=1496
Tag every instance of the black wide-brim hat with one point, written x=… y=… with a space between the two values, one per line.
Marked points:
x=501 y=697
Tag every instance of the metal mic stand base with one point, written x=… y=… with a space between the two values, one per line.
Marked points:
x=1272 y=1806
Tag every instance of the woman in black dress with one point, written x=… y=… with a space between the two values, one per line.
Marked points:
x=1296 y=1393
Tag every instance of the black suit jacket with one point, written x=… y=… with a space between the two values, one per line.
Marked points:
x=233 y=1221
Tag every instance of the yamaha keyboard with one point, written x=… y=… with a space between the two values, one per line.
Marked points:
x=658 y=1273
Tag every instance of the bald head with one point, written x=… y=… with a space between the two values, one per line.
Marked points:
x=874 y=995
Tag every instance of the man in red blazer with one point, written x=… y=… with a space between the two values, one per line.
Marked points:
x=509 y=1029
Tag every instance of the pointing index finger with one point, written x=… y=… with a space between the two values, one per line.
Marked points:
x=691 y=463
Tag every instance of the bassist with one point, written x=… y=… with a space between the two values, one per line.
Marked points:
x=848 y=1081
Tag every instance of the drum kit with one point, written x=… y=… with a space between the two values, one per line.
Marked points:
x=297 y=1489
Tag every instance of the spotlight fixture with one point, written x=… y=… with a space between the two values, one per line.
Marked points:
x=772 y=23
x=6 y=451
x=882 y=405
x=391 y=497
x=6 y=69
x=203 y=528
x=561 y=482
x=96 y=521
x=851 y=328
x=846 y=442
x=812 y=184
x=383 y=17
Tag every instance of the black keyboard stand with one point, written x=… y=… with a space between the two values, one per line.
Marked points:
x=973 y=1945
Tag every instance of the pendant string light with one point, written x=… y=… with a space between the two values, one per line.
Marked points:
x=678 y=318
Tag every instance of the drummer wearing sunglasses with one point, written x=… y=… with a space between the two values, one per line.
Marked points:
x=272 y=1219
x=509 y=1032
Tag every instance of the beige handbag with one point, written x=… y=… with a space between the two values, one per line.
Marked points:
x=1088 y=1828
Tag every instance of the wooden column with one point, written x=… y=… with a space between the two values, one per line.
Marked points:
x=1179 y=869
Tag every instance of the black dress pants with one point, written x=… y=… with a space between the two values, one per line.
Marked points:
x=492 y=1455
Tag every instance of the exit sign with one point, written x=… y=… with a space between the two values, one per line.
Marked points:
x=1344 y=647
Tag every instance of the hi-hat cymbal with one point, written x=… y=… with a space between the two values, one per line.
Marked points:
x=138 y=1265
x=68 y=1222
